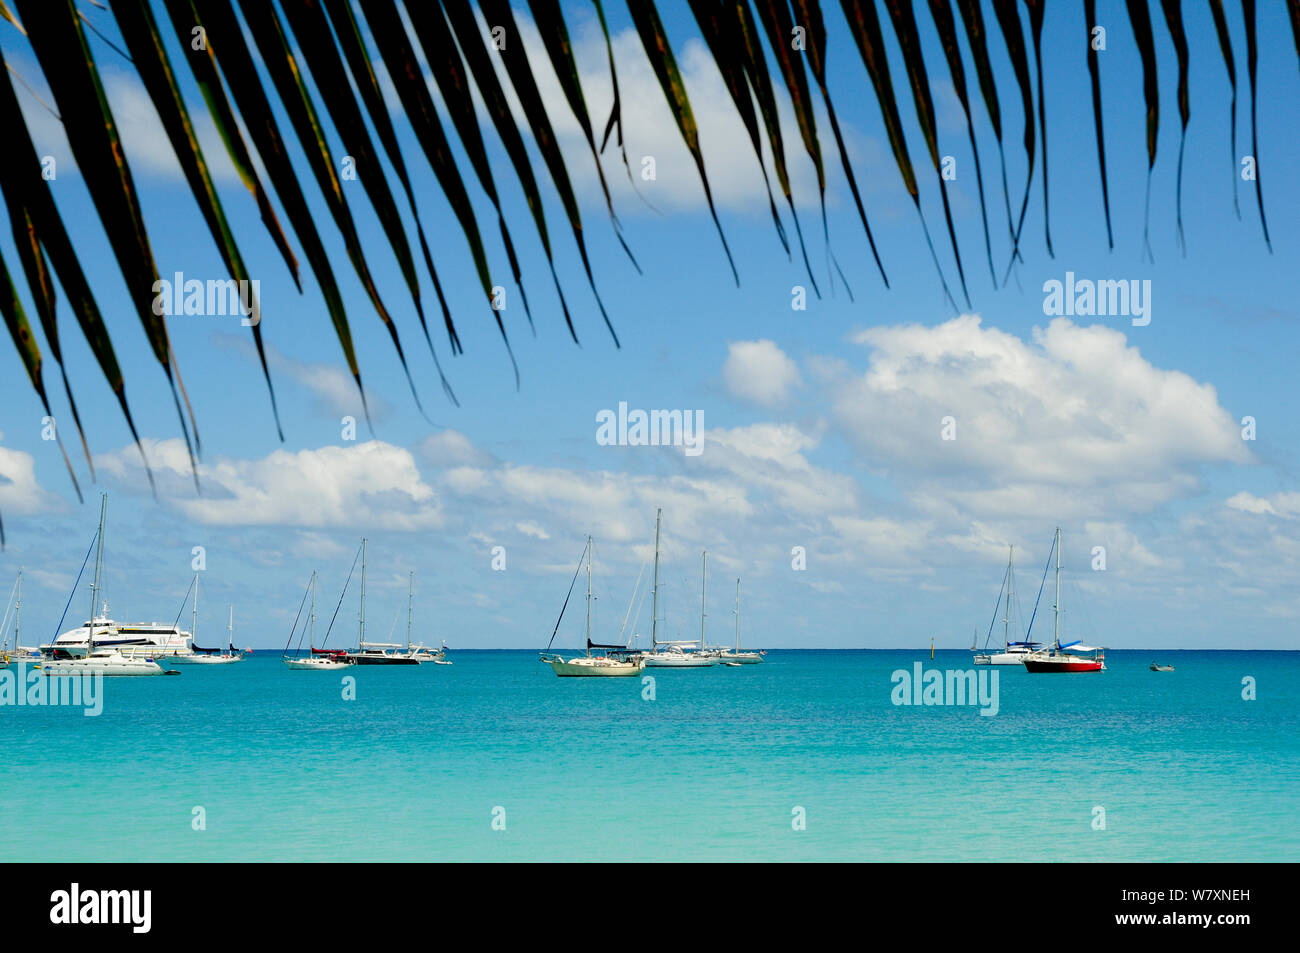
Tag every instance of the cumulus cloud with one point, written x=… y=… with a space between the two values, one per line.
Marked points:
x=20 y=491
x=372 y=484
x=759 y=371
x=1074 y=421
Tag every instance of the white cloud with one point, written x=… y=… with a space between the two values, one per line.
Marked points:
x=20 y=491
x=364 y=485
x=1285 y=505
x=760 y=371
x=1075 y=422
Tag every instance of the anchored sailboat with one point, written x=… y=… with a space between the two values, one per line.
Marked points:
x=376 y=653
x=616 y=660
x=1013 y=652
x=419 y=651
x=677 y=653
x=316 y=660
x=201 y=656
x=102 y=661
x=736 y=656
x=1072 y=656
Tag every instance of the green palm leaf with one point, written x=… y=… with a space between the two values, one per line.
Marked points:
x=1252 y=61
x=1090 y=19
x=655 y=42
x=1036 y=10
x=144 y=42
x=54 y=29
x=1012 y=35
x=1140 y=17
x=1225 y=47
x=1173 y=10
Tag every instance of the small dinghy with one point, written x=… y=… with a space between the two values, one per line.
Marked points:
x=1157 y=667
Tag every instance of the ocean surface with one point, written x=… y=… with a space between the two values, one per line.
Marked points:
x=428 y=763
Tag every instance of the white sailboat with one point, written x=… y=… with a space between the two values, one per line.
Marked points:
x=102 y=661
x=201 y=656
x=419 y=651
x=615 y=662
x=376 y=653
x=1013 y=652
x=735 y=656
x=679 y=653
x=19 y=653
x=316 y=660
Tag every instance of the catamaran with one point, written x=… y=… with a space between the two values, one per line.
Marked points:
x=376 y=653
x=616 y=660
x=316 y=660
x=1013 y=652
x=677 y=653
x=93 y=660
x=1072 y=656
x=736 y=656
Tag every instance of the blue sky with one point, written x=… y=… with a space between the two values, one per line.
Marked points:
x=822 y=426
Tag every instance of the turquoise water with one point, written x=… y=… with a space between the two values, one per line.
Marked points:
x=712 y=769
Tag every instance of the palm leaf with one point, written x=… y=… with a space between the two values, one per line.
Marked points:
x=1225 y=46
x=308 y=22
x=203 y=65
x=225 y=44
x=363 y=74
x=1090 y=18
x=1036 y=11
x=28 y=198
x=54 y=29
x=1252 y=58
x=449 y=73
x=865 y=27
x=144 y=43
x=977 y=37
x=555 y=37
x=41 y=284
x=30 y=352
x=760 y=81
x=657 y=50
x=1173 y=10
x=1013 y=36
x=1140 y=17
x=408 y=79
x=709 y=16
x=615 y=121
x=909 y=39
x=941 y=13
x=515 y=59
x=286 y=77
x=810 y=13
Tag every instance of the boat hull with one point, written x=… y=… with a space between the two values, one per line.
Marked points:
x=204 y=659
x=383 y=660
x=740 y=658
x=313 y=665
x=1063 y=665
x=115 y=665
x=1001 y=658
x=595 y=667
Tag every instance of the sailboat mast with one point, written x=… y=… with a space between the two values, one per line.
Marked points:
x=588 y=596
x=230 y=631
x=311 y=642
x=654 y=614
x=410 y=594
x=194 y=617
x=94 y=586
x=1006 y=609
x=362 y=639
x=18 y=611
x=738 y=615
x=1056 y=609
x=704 y=581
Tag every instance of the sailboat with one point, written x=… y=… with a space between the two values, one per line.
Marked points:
x=376 y=653
x=1013 y=652
x=736 y=656
x=1072 y=656
x=616 y=660
x=18 y=653
x=316 y=660
x=102 y=661
x=419 y=651
x=676 y=653
x=199 y=655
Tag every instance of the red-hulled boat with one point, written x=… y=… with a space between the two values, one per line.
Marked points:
x=1072 y=656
